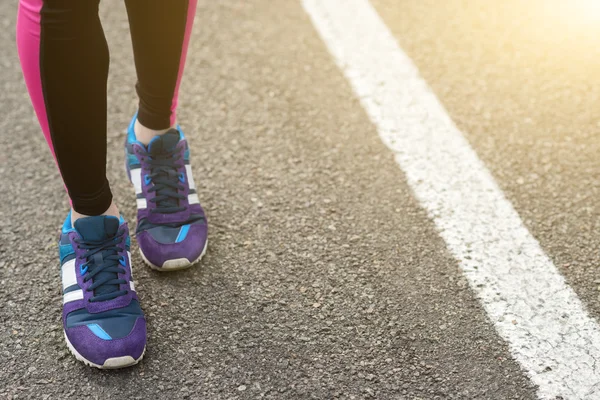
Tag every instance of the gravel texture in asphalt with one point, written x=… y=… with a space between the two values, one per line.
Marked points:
x=324 y=278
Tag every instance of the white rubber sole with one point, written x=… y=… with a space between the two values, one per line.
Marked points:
x=175 y=264
x=110 y=363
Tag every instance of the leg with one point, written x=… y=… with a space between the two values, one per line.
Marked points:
x=65 y=62
x=172 y=228
x=160 y=33
x=64 y=57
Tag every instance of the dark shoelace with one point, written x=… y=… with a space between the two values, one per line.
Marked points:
x=103 y=274
x=167 y=182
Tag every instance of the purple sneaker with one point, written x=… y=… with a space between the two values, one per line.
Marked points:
x=103 y=323
x=172 y=231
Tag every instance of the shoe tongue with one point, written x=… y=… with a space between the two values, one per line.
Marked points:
x=164 y=143
x=97 y=228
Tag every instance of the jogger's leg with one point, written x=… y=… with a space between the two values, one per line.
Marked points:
x=160 y=33
x=64 y=57
x=65 y=62
x=172 y=229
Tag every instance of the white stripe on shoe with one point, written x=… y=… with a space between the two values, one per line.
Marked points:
x=69 y=278
x=131 y=284
x=141 y=203
x=190 y=178
x=136 y=179
x=130 y=265
x=73 y=296
x=193 y=199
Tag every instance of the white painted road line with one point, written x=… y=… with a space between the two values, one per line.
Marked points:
x=545 y=324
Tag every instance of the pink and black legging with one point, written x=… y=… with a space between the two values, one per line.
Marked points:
x=64 y=57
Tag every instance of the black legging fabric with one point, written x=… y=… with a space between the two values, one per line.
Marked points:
x=65 y=62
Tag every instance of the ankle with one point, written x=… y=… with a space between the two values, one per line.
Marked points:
x=145 y=135
x=112 y=211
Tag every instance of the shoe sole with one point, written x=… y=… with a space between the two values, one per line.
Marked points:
x=175 y=264
x=110 y=363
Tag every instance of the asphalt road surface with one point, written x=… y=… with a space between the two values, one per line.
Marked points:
x=326 y=276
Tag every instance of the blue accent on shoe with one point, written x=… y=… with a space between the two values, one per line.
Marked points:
x=181 y=135
x=158 y=230
x=122 y=261
x=131 y=132
x=67 y=225
x=64 y=250
x=186 y=153
x=131 y=129
x=147 y=180
x=71 y=288
x=133 y=161
x=64 y=239
x=117 y=323
x=182 y=233
x=132 y=139
x=128 y=243
x=164 y=234
x=98 y=331
x=83 y=270
x=182 y=177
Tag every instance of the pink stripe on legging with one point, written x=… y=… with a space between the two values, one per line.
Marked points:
x=191 y=13
x=28 y=46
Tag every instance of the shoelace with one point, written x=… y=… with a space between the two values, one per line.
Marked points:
x=111 y=262
x=167 y=182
